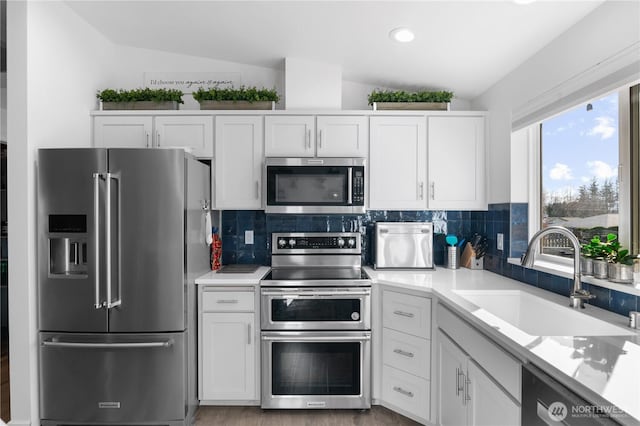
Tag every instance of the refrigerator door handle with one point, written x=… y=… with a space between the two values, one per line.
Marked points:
x=96 y=232
x=111 y=303
x=129 y=345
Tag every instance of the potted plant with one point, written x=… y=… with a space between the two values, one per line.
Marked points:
x=140 y=99
x=594 y=255
x=401 y=100
x=620 y=262
x=241 y=98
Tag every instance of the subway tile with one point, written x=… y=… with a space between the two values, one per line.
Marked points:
x=603 y=296
x=517 y=272
x=531 y=276
x=559 y=285
x=622 y=303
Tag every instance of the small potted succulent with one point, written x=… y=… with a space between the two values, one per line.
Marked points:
x=251 y=98
x=401 y=100
x=140 y=99
x=594 y=257
x=619 y=261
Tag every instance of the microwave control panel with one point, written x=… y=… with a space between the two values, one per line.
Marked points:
x=358 y=186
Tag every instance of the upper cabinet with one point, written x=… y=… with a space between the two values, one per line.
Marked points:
x=149 y=131
x=456 y=162
x=434 y=162
x=321 y=136
x=342 y=136
x=289 y=136
x=194 y=132
x=238 y=162
x=397 y=163
x=123 y=131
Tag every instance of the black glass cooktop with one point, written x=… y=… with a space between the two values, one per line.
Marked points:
x=315 y=274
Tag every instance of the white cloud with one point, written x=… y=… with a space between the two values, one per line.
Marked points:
x=605 y=128
x=560 y=172
x=602 y=170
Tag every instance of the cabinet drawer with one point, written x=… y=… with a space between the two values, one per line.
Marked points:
x=227 y=301
x=406 y=392
x=406 y=313
x=407 y=353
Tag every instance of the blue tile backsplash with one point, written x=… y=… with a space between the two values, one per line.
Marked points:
x=510 y=219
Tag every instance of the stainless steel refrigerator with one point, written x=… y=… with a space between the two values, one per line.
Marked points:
x=120 y=244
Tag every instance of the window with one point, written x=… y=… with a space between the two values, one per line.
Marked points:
x=588 y=175
x=579 y=173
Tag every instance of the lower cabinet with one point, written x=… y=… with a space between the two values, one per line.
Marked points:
x=406 y=354
x=467 y=393
x=227 y=346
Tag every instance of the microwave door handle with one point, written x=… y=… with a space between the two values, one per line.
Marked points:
x=350 y=186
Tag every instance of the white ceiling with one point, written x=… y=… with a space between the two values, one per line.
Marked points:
x=462 y=46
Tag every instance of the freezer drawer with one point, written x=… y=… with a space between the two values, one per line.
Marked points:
x=112 y=378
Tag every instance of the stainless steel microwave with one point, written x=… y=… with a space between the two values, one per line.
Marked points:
x=314 y=185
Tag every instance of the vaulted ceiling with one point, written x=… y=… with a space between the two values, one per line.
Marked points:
x=463 y=46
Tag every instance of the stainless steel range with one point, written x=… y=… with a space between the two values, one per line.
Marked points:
x=316 y=323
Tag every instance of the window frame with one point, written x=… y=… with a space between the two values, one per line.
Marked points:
x=557 y=263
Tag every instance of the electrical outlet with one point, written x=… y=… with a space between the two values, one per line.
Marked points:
x=248 y=237
x=500 y=241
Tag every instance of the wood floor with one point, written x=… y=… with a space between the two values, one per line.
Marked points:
x=255 y=416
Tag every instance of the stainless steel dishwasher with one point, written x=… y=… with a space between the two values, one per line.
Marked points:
x=547 y=402
x=404 y=245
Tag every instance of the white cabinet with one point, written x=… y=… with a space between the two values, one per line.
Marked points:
x=478 y=383
x=148 y=131
x=397 y=163
x=321 y=136
x=238 y=162
x=342 y=136
x=289 y=136
x=123 y=131
x=406 y=354
x=227 y=346
x=467 y=395
x=456 y=160
x=193 y=132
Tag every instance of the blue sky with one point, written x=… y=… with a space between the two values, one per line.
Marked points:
x=578 y=145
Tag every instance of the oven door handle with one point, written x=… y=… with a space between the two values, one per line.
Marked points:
x=327 y=294
x=357 y=338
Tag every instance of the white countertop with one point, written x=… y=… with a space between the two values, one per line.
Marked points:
x=233 y=279
x=604 y=370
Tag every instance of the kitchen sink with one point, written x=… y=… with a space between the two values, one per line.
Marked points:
x=536 y=316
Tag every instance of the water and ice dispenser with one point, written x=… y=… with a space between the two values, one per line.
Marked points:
x=67 y=245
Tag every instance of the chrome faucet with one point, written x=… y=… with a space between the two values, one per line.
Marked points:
x=578 y=294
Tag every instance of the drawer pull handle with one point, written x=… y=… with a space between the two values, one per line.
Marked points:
x=402 y=391
x=403 y=353
x=230 y=301
x=404 y=314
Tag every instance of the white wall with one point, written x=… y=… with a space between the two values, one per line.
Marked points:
x=55 y=62
x=131 y=63
x=312 y=84
x=605 y=43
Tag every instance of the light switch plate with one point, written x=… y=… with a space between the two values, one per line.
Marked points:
x=248 y=237
x=500 y=241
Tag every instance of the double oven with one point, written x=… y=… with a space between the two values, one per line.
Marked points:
x=316 y=323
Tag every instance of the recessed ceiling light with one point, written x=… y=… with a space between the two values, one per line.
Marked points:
x=402 y=35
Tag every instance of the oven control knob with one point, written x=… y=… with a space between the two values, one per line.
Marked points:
x=340 y=242
x=351 y=242
x=292 y=242
x=355 y=316
x=282 y=243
